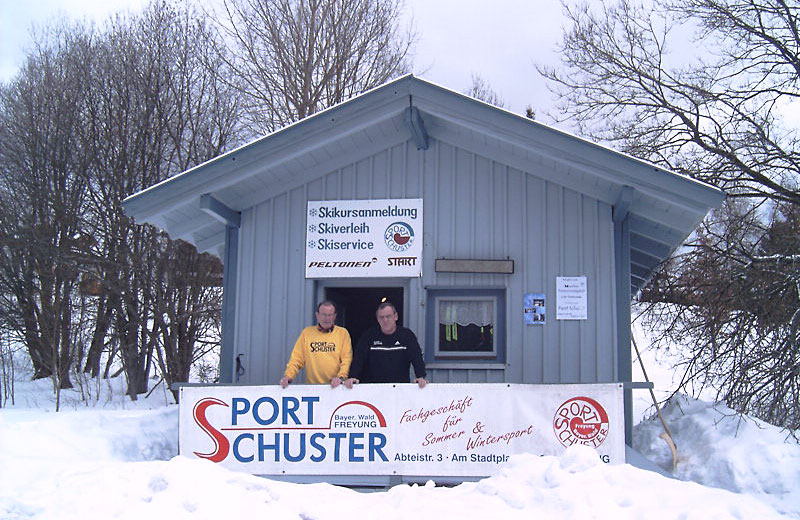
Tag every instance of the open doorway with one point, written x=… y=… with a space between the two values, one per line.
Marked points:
x=356 y=306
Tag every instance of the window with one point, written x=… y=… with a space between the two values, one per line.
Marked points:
x=466 y=325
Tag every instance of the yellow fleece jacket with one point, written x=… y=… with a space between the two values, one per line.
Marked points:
x=324 y=355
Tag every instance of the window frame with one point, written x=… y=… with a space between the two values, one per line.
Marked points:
x=434 y=356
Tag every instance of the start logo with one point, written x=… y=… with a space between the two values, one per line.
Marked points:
x=581 y=420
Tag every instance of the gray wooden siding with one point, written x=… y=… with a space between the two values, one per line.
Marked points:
x=474 y=208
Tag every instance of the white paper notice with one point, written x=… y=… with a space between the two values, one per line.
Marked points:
x=571 y=298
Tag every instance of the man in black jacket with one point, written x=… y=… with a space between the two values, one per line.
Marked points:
x=385 y=353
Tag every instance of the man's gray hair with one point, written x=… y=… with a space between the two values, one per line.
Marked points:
x=326 y=302
x=384 y=305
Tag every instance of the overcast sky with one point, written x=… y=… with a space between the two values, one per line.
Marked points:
x=497 y=39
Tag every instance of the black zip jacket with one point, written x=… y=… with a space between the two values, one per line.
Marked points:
x=381 y=358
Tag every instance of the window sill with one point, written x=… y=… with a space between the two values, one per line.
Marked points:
x=475 y=365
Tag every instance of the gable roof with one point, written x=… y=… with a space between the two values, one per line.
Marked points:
x=662 y=207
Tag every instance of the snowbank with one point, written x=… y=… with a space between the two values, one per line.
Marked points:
x=717 y=447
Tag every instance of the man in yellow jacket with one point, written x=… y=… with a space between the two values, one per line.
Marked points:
x=323 y=349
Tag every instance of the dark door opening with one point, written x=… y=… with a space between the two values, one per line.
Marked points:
x=356 y=306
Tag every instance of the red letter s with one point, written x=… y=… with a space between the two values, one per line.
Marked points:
x=221 y=444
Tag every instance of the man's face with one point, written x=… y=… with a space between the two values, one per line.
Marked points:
x=326 y=316
x=387 y=319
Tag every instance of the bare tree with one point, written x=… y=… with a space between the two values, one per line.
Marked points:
x=480 y=89
x=187 y=309
x=155 y=110
x=42 y=198
x=700 y=87
x=93 y=117
x=732 y=299
x=292 y=58
x=717 y=118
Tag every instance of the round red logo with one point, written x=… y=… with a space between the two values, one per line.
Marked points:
x=581 y=420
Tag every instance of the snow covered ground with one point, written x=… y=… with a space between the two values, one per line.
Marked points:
x=103 y=456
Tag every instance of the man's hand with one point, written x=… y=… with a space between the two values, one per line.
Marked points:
x=285 y=381
x=350 y=382
x=336 y=381
x=421 y=381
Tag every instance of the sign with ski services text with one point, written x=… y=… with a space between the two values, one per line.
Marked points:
x=385 y=429
x=364 y=238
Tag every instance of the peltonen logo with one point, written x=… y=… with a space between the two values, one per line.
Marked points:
x=284 y=429
x=346 y=264
x=581 y=420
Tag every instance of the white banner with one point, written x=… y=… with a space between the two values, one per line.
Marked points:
x=385 y=429
x=364 y=238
